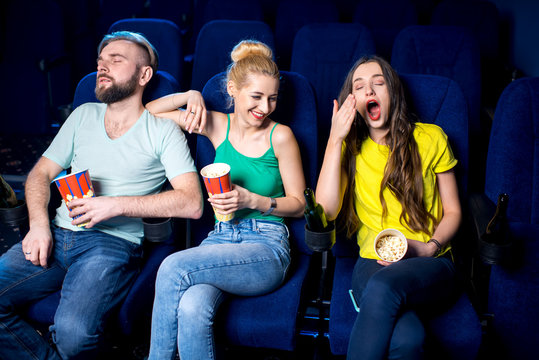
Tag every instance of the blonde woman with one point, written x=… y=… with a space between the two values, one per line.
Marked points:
x=250 y=254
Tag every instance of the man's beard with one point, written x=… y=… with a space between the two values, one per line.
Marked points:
x=117 y=92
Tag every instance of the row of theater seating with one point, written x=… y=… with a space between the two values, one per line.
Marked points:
x=59 y=37
x=317 y=63
x=272 y=321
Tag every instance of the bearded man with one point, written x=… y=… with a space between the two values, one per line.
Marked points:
x=129 y=154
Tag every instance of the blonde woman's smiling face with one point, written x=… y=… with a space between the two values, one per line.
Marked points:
x=372 y=97
x=257 y=99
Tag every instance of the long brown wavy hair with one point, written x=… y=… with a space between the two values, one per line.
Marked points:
x=402 y=174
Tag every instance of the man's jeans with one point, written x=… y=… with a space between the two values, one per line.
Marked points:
x=243 y=257
x=94 y=271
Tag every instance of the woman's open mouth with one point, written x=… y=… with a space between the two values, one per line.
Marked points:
x=373 y=110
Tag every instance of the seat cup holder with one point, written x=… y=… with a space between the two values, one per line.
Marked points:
x=320 y=241
x=15 y=216
x=496 y=254
x=157 y=229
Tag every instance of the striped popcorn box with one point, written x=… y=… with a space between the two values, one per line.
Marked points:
x=217 y=180
x=75 y=186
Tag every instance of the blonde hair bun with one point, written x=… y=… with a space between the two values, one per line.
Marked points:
x=248 y=48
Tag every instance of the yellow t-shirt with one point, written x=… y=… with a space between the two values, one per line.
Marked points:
x=436 y=157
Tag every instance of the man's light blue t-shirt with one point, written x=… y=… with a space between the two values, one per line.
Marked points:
x=137 y=163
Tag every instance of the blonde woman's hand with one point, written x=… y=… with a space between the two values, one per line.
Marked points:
x=194 y=116
x=342 y=118
x=229 y=202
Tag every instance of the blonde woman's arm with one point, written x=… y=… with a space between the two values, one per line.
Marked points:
x=333 y=180
x=193 y=118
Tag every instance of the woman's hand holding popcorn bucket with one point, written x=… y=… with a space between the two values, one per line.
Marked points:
x=217 y=181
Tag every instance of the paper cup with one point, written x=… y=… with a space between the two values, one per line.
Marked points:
x=75 y=186
x=390 y=245
x=217 y=181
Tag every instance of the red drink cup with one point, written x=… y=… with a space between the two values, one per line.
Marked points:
x=217 y=181
x=75 y=186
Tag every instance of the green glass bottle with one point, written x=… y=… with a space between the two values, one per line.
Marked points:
x=314 y=213
x=8 y=198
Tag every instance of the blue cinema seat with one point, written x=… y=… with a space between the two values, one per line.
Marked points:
x=455 y=333
x=319 y=55
x=210 y=10
x=397 y=15
x=179 y=12
x=483 y=20
x=450 y=51
x=271 y=320
x=164 y=35
x=291 y=16
x=215 y=42
x=453 y=52
x=135 y=312
x=513 y=168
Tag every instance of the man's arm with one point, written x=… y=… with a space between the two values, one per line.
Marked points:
x=37 y=244
x=184 y=201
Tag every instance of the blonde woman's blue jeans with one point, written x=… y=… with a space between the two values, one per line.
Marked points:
x=245 y=257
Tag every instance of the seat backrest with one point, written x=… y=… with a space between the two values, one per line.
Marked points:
x=179 y=12
x=111 y=11
x=449 y=51
x=215 y=42
x=513 y=168
x=164 y=35
x=295 y=108
x=481 y=17
x=161 y=84
x=436 y=100
x=397 y=15
x=439 y=100
x=291 y=16
x=320 y=56
x=513 y=153
x=210 y=10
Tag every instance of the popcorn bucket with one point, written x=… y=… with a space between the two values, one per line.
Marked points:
x=390 y=245
x=217 y=181
x=75 y=186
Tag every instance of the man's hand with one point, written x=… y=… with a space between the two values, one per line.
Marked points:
x=37 y=245
x=93 y=210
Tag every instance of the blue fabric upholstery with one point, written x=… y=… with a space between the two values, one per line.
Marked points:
x=36 y=73
x=449 y=51
x=135 y=312
x=215 y=42
x=438 y=100
x=481 y=17
x=210 y=10
x=111 y=11
x=160 y=85
x=164 y=35
x=267 y=321
x=179 y=12
x=513 y=154
x=512 y=298
x=402 y=14
x=291 y=16
x=320 y=56
x=513 y=168
x=483 y=20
